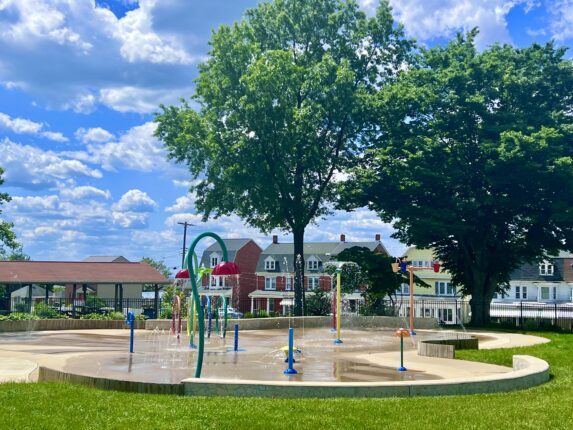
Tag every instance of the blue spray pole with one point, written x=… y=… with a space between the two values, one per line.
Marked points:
x=291 y=370
x=210 y=317
x=130 y=320
x=236 y=338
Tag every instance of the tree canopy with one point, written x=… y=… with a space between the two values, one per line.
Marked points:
x=284 y=103
x=7 y=235
x=160 y=266
x=474 y=160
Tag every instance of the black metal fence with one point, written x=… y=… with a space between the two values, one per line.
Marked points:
x=533 y=316
x=93 y=305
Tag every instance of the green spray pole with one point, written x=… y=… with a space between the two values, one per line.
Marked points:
x=200 y=314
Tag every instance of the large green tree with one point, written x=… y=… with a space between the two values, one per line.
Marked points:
x=7 y=236
x=283 y=105
x=474 y=159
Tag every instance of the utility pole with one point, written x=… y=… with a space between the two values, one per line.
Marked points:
x=185 y=224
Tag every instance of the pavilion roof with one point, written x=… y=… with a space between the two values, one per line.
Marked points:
x=78 y=272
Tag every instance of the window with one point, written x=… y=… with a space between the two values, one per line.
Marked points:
x=312 y=263
x=271 y=283
x=288 y=283
x=546 y=269
x=421 y=263
x=313 y=282
x=214 y=259
x=269 y=264
x=217 y=282
x=445 y=315
x=405 y=289
x=520 y=292
x=445 y=289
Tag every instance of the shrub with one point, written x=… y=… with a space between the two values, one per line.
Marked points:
x=19 y=316
x=248 y=315
x=318 y=304
x=21 y=307
x=94 y=302
x=94 y=316
x=42 y=310
x=115 y=316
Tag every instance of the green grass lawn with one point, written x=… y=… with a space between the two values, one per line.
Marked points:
x=550 y=406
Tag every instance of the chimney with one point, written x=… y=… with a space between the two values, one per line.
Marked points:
x=377 y=238
x=343 y=238
x=275 y=238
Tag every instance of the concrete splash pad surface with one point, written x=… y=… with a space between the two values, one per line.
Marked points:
x=365 y=356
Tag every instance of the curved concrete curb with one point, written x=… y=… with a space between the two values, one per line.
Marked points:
x=527 y=372
x=446 y=348
x=46 y=375
x=16 y=370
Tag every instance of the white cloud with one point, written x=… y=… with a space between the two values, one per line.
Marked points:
x=135 y=201
x=129 y=219
x=431 y=19
x=129 y=98
x=184 y=203
x=137 y=149
x=93 y=135
x=26 y=126
x=19 y=125
x=75 y=55
x=33 y=168
x=141 y=43
x=561 y=25
x=34 y=203
x=84 y=192
x=56 y=136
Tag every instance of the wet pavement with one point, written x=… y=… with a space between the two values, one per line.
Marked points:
x=160 y=357
x=369 y=355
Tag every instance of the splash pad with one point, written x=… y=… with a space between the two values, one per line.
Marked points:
x=365 y=366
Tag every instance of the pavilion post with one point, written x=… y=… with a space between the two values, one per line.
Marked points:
x=156 y=300
x=47 y=293
x=115 y=297
x=30 y=298
x=120 y=297
x=74 y=289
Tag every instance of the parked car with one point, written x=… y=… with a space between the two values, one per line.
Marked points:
x=231 y=312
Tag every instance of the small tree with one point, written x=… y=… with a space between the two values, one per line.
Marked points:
x=352 y=277
x=376 y=271
x=319 y=303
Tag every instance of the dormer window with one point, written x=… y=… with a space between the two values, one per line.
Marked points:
x=546 y=269
x=270 y=263
x=312 y=263
x=215 y=259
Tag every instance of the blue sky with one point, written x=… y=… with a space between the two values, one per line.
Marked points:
x=80 y=80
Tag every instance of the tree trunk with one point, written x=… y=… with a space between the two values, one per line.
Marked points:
x=480 y=303
x=299 y=296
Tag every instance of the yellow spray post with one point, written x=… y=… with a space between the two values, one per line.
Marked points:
x=338 y=304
